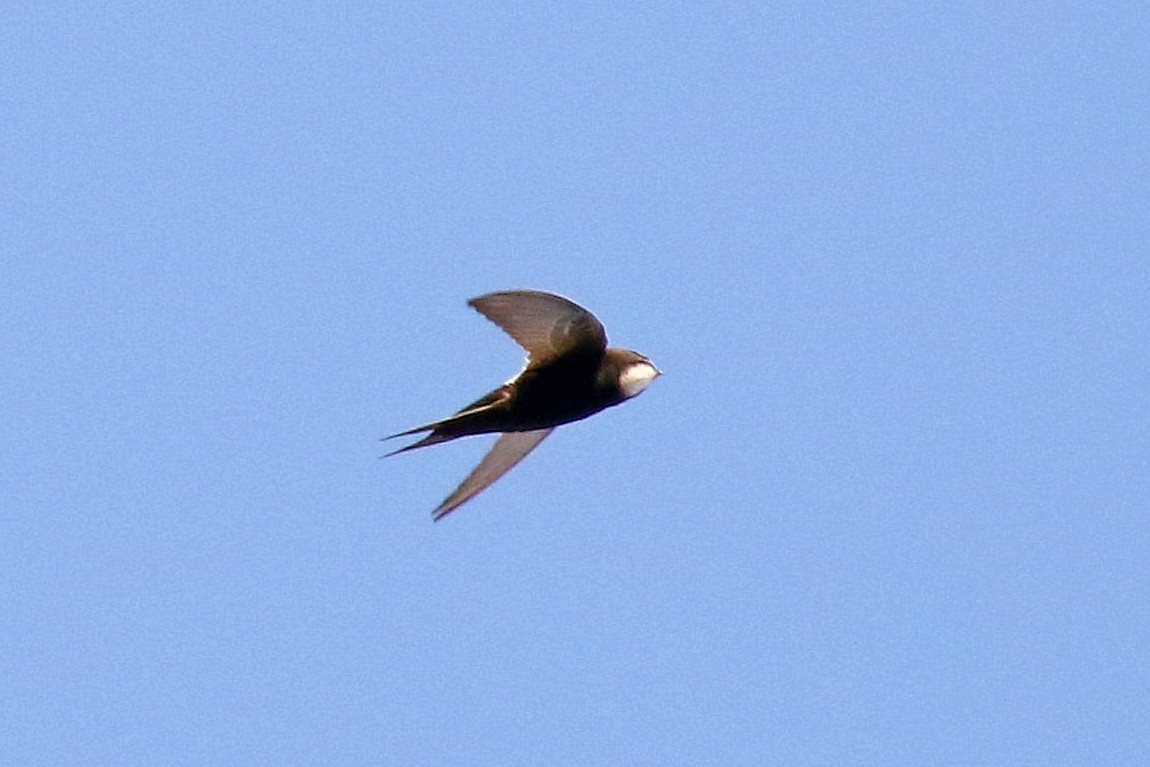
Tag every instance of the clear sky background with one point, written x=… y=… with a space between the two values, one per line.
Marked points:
x=887 y=506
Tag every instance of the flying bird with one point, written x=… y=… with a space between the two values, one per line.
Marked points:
x=570 y=374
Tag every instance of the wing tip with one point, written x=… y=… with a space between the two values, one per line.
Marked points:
x=504 y=455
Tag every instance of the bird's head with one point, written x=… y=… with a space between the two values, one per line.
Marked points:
x=633 y=372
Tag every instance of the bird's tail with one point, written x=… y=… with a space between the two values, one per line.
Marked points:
x=479 y=417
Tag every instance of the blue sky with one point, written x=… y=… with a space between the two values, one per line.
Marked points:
x=887 y=505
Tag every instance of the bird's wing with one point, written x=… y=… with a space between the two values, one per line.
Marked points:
x=508 y=450
x=546 y=325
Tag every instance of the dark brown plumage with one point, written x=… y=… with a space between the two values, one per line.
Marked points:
x=570 y=375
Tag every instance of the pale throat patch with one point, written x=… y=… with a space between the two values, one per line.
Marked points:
x=636 y=378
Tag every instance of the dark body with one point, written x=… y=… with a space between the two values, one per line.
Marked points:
x=570 y=375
